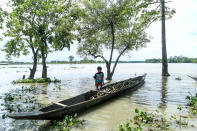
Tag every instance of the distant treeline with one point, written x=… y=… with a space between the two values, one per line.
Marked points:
x=14 y=62
x=68 y=62
x=74 y=62
x=175 y=59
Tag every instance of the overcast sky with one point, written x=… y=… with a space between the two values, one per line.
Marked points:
x=181 y=37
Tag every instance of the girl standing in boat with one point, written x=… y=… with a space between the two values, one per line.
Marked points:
x=99 y=78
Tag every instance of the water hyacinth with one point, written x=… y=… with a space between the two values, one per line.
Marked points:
x=67 y=123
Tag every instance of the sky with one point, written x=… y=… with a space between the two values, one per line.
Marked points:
x=181 y=35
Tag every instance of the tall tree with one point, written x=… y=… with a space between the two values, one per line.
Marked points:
x=40 y=25
x=20 y=25
x=116 y=26
x=54 y=26
x=164 y=50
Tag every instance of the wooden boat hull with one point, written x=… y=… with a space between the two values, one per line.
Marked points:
x=78 y=104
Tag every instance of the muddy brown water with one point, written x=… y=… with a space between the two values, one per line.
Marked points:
x=165 y=93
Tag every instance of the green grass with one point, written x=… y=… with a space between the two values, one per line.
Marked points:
x=17 y=67
x=38 y=80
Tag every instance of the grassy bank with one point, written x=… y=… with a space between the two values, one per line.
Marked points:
x=38 y=80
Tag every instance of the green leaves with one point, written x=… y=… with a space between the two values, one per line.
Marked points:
x=116 y=25
x=129 y=18
x=1 y=17
x=67 y=124
x=40 y=24
x=144 y=120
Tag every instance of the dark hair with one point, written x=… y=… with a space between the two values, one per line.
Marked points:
x=99 y=67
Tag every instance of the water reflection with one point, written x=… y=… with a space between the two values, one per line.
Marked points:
x=157 y=91
x=163 y=103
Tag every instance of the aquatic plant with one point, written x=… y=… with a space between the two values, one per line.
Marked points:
x=58 y=87
x=9 y=107
x=153 y=121
x=192 y=103
x=67 y=123
x=9 y=97
x=178 y=78
x=22 y=101
x=29 y=89
x=3 y=116
x=144 y=120
x=192 y=100
x=38 y=80
x=179 y=118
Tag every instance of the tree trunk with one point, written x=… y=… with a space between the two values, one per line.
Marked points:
x=109 y=76
x=164 y=51
x=44 y=67
x=108 y=65
x=35 y=59
x=33 y=70
x=113 y=43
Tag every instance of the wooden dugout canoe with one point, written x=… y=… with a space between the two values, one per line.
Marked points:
x=82 y=102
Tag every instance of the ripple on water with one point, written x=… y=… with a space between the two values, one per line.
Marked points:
x=157 y=91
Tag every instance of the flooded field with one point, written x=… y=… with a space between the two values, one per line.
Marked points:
x=157 y=93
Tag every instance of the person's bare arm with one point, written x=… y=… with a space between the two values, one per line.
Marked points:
x=95 y=79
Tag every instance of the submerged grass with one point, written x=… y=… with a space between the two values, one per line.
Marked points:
x=38 y=80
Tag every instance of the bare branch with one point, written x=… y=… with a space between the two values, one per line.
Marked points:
x=121 y=53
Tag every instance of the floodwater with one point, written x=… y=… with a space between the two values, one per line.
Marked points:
x=157 y=93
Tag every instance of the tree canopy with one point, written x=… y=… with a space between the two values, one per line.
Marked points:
x=40 y=25
x=1 y=17
x=116 y=25
x=2 y=13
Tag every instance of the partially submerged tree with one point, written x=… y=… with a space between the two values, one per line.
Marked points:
x=116 y=25
x=42 y=26
x=54 y=26
x=164 y=50
x=20 y=25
